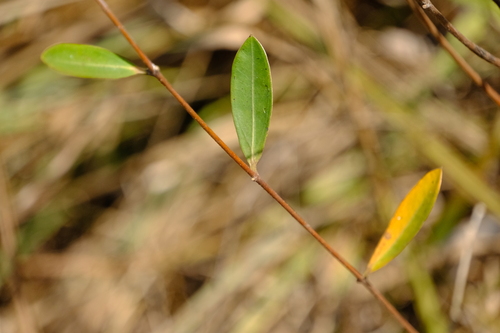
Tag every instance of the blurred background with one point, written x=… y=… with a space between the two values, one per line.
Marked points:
x=119 y=214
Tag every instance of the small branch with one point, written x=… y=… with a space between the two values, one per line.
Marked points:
x=154 y=71
x=429 y=8
x=359 y=277
x=476 y=78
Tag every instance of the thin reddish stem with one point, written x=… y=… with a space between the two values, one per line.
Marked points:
x=154 y=71
x=476 y=78
x=429 y=8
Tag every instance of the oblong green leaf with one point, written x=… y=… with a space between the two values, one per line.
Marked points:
x=88 y=61
x=251 y=99
x=407 y=220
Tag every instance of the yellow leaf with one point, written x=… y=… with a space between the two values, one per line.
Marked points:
x=407 y=221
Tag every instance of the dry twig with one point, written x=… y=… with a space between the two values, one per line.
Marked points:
x=431 y=10
x=476 y=78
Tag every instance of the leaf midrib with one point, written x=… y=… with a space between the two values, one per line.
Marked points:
x=252 y=144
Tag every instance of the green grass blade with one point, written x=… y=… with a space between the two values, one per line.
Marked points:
x=88 y=61
x=460 y=172
x=426 y=297
x=251 y=99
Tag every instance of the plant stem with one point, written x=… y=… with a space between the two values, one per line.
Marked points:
x=154 y=71
x=429 y=7
x=476 y=78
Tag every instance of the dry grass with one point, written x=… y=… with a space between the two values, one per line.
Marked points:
x=122 y=216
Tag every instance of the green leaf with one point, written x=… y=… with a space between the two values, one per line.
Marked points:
x=88 y=61
x=251 y=99
x=407 y=221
